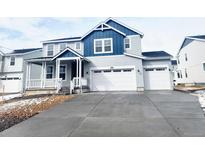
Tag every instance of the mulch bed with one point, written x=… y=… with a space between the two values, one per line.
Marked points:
x=17 y=115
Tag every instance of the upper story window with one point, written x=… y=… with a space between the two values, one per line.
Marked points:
x=77 y=45
x=63 y=46
x=186 y=57
x=103 y=46
x=12 y=61
x=127 y=43
x=50 y=49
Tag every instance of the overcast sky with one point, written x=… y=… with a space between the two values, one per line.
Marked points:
x=159 y=33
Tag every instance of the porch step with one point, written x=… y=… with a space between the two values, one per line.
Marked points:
x=39 y=91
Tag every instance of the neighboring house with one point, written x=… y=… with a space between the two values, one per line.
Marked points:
x=106 y=58
x=191 y=61
x=12 y=76
x=158 y=72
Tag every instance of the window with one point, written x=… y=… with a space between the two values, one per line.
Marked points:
x=178 y=75
x=186 y=75
x=116 y=70
x=63 y=46
x=97 y=71
x=103 y=45
x=107 y=71
x=178 y=61
x=127 y=70
x=186 y=57
x=49 y=72
x=50 y=50
x=12 y=61
x=160 y=69
x=204 y=66
x=149 y=69
x=127 y=43
x=77 y=45
x=63 y=72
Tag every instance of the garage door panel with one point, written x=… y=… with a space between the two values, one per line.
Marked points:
x=157 y=79
x=114 y=80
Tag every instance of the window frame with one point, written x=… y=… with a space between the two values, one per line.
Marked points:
x=76 y=46
x=60 y=46
x=103 y=45
x=12 y=63
x=65 y=72
x=50 y=50
x=50 y=73
x=125 y=43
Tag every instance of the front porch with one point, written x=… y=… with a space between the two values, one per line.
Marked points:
x=57 y=74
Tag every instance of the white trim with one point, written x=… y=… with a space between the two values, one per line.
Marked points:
x=71 y=50
x=61 y=41
x=135 y=56
x=102 y=23
x=52 y=72
x=76 y=46
x=137 y=31
x=66 y=71
x=103 y=45
x=129 y=43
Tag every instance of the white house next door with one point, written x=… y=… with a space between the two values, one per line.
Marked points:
x=115 y=79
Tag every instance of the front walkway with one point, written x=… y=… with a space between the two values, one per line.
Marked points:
x=154 y=113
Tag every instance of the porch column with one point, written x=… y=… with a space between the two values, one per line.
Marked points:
x=80 y=74
x=44 y=77
x=28 y=77
x=77 y=73
x=27 y=80
x=42 y=73
x=57 y=70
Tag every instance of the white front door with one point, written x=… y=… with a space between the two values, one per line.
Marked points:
x=158 y=78
x=117 y=79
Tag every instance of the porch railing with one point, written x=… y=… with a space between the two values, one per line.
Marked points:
x=47 y=83
x=75 y=83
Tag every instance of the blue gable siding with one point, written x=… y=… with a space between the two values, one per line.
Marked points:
x=67 y=54
x=121 y=28
x=118 y=42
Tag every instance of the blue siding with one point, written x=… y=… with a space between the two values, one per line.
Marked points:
x=67 y=54
x=121 y=28
x=118 y=42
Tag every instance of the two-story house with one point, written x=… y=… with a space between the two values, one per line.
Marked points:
x=191 y=61
x=13 y=69
x=106 y=58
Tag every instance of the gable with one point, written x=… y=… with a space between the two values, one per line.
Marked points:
x=67 y=54
x=186 y=42
x=121 y=28
x=118 y=42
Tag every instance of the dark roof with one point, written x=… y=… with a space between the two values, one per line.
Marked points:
x=67 y=38
x=198 y=36
x=21 y=51
x=174 y=62
x=154 y=54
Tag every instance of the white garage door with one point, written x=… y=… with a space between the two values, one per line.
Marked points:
x=120 y=79
x=10 y=84
x=157 y=78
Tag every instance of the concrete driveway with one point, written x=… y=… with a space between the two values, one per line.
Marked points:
x=152 y=113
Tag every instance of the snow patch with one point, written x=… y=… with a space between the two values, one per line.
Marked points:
x=21 y=103
x=8 y=97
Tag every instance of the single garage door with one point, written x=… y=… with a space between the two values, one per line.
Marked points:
x=120 y=79
x=10 y=84
x=157 y=78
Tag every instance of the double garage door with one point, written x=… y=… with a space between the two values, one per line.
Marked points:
x=117 y=79
x=157 y=78
x=10 y=84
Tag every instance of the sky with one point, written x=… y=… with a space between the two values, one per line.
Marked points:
x=159 y=33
